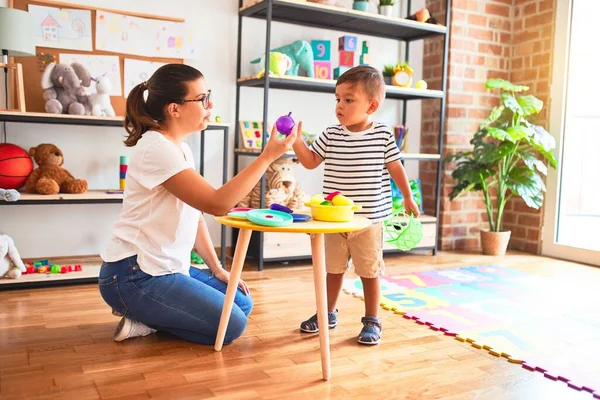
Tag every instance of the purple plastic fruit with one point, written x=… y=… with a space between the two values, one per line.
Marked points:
x=285 y=124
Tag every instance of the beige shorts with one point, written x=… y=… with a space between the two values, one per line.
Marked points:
x=364 y=247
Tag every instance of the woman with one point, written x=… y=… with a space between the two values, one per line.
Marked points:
x=146 y=275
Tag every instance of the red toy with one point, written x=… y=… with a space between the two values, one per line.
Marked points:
x=15 y=166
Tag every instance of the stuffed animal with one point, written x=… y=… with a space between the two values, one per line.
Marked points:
x=279 y=64
x=64 y=88
x=100 y=101
x=9 y=195
x=280 y=188
x=301 y=54
x=50 y=177
x=11 y=265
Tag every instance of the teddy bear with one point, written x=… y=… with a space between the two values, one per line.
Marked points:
x=11 y=265
x=50 y=177
x=64 y=88
x=281 y=187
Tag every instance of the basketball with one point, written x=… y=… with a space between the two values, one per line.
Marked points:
x=15 y=166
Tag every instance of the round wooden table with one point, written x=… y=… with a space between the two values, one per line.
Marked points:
x=316 y=229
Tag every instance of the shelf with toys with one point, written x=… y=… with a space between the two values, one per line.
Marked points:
x=90 y=269
x=89 y=197
x=328 y=86
x=337 y=18
x=313 y=59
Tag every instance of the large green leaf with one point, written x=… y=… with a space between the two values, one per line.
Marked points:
x=543 y=142
x=530 y=105
x=516 y=133
x=468 y=175
x=511 y=103
x=493 y=117
x=527 y=184
x=531 y=160
x=505 y=85
x=497 y=133
x=492 y=154
x=457 y=156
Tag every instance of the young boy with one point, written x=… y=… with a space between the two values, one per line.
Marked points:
x=360 y=155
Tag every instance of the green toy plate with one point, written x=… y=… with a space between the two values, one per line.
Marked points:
x=238 y=214
x=270 y=217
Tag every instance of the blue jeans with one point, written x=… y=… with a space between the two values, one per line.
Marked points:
x=186 y=306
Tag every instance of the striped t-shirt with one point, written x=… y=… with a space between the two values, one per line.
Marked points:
x=355 y=165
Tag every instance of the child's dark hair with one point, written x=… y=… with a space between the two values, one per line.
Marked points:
x=167 y=85
x=370 y=78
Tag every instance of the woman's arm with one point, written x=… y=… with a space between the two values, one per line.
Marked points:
x=190 y=187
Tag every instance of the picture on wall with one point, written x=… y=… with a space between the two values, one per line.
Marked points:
x=137 y=71
x=62 y=28
x=143 y=36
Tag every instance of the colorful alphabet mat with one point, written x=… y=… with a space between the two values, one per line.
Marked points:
x=527 y=319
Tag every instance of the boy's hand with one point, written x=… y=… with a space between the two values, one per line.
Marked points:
x=275 y=147
x=299 y=135
x=411 y=207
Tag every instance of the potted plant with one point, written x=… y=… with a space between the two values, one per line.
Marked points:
x=361 y=5
x=388 y=73
x=504 y=160
x=386 y=7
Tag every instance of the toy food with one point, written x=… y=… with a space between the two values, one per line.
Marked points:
x=285 y=124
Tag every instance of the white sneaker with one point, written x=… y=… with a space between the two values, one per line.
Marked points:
x=128 y=328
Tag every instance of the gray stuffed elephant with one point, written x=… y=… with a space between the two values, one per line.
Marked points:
x=301 y=54
x=64 y=89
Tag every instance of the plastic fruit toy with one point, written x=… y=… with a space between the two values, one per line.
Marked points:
x=332 y=195
x=421 y=84
x=341 y=200
x=285 y=124
x=326 y=203
x=317 y=199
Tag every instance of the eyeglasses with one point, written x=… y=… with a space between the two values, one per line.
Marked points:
x=204 y=99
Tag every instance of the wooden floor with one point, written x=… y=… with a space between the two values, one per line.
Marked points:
x=56 y=343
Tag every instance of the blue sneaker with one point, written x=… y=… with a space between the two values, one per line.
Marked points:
x=312 y=326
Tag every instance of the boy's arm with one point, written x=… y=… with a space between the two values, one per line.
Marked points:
x=308 y=158
x=398 y=174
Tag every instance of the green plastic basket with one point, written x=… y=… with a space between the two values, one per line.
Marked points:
x=403 y=231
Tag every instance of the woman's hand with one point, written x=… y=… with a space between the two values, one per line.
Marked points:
x=275 y=147
x=223 y=275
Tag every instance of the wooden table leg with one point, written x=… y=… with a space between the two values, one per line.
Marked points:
x=318 y=256
x=234 y=279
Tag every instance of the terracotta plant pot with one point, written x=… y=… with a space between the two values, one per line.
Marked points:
x=494 y=243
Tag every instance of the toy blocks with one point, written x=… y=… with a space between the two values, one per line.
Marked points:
x=337 y=72
x=321 y=50
x=323 y=69
x=347 y=43
x=346 y=59
x=322 y=58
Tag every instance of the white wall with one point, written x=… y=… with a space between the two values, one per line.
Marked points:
x=93 y=152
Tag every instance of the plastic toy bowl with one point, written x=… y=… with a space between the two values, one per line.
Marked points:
x=332 y=213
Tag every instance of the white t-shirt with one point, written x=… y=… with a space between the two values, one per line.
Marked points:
x=154 y=224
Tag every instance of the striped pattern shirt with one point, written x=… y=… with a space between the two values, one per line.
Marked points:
x=355 y=165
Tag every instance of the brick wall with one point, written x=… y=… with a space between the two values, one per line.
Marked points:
x=509 y=39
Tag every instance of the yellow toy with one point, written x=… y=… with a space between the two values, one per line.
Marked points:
x=402 y=75
x=334 y=208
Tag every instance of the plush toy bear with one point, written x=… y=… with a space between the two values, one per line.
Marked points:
x=11 y=265
x=50 y=177
x=281 y=187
